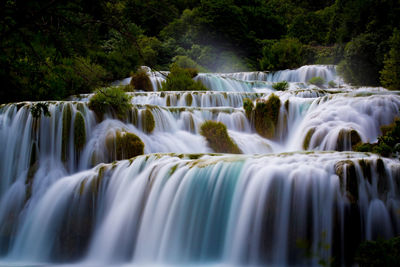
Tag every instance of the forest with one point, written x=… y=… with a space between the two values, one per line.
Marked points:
x=53 y=49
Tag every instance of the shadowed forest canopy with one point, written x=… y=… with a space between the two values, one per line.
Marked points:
x=53 y=49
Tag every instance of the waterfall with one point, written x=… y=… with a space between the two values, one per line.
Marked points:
x=67 y=197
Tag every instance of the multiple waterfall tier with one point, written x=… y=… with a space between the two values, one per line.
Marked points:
x=66 y=197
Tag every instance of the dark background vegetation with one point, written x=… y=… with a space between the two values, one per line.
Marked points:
x=52 y=49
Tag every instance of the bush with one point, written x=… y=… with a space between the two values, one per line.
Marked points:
x=281 y=86
x=387 y=144
x=266 y=115
x=332 y=84
x=218 y=138
x=140 y=80
x=379 y=253
x=318 y=81
x=180 y=79
x=112 y=99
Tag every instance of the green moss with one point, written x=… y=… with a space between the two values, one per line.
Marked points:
x=66 y=127
x=79 y=131
x=287 y=105
x=248 y=107
x=266 y=116
x=318 y=81
x=81 y=107
x=128 y=145
x=188 y=99
x=168 y=101
x=96 y=181
x=195 y=156
x=345 y=135
x=281 y=86
x=346 y=171
x=133 y=116
x=141 y=81
x=173 y=169
x=218 y=138
x=307 y=139
x=148 y=122
x=123 y=145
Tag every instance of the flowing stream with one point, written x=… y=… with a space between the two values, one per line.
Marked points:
x=302 y=192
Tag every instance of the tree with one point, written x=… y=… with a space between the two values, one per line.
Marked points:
x=390 y=75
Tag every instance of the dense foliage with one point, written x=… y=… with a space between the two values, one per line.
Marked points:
x=180 y=79
x=52 y=49
x=110 y=99
x=388 y=144
x=380 y=252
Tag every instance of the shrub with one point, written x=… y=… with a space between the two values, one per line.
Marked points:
x=318 y=81
x=387 y=144
x=218 y=138
x=266 y=116
x=379 y=252
x=281 y=86
x=332 y=84
x=112 y=99
x=180 y=79
x=248 y=107
x=140 y=80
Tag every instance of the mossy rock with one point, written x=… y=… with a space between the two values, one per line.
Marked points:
x=346 y=171
x=248 y=107
x=123 y=145
x=345 y=136
x=148 y=122
x=141 y=81
x=307 y=139
x=266 y=115
x=287 y=105
x=217 y=137
x=79 y=131
x=133 y=116
x=66 y=128
x=188 y=99
x=168 y=101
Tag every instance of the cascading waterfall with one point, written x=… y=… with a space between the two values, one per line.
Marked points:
x=64 y=198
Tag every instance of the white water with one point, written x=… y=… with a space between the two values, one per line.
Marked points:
x=165 y=209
